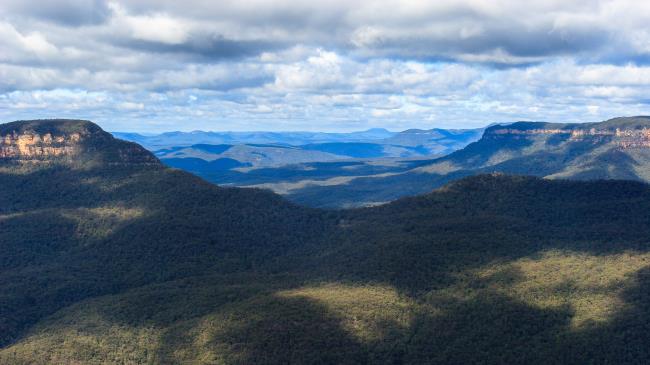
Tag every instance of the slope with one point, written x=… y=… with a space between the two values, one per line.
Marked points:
x=615 y=149
x=136 y=263
x=96 y=219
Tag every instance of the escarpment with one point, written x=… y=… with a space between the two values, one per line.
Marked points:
x=637 y=136
x=613 y=149
x=67 y=141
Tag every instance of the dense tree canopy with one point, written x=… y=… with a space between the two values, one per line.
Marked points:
x=137 y=263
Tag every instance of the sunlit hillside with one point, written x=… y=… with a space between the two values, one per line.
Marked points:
x=136 y=263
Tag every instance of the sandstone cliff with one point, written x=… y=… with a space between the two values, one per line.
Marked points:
x=67 y=141
x=623 y=138
x=33 y=145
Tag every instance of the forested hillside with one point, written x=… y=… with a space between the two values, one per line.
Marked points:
x=135 y=263
x=73 y=230
x=614 y=149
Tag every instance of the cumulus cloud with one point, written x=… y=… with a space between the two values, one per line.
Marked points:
x=289 y=64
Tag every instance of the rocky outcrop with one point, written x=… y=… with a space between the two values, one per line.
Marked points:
x=633 y=138
x=524 y=132
x=75 y=142
x=31 y=145
x=622 y=138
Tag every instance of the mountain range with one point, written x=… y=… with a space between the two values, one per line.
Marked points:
x=207 y=152
x=174 y=139
x=614 y=149
x=109 y=256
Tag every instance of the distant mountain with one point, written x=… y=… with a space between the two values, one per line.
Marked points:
x=269 y=155
x=176 y=139
x=197 y=165
x=257 y=155
x=110 y=257
x=264 y=149
x=436 y=141
x=615 y=149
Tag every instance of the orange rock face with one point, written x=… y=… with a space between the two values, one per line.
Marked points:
x=34 y=146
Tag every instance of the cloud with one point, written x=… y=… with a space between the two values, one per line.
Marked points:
x=153 y=28
x=338 y=64
x=65 y=12
x=505 y=32
x=17 y=47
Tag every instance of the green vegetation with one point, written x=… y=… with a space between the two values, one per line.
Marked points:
x=529 y=148
x=138 y=264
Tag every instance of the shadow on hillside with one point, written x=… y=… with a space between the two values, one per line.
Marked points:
x=189 y=227
x=625 y=338
x=416 y=246
x=417 y=243
x=557 y=139
x=34 y=238
x=296 y=173
x=45 y=188
x=25 y=298
x=264 y=327
x=491 y=329
x=569 y=161
x=369 y=190
x=216 y=320
x=267 y=330
x=614 y=164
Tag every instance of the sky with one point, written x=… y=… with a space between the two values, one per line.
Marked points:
x=336 y=65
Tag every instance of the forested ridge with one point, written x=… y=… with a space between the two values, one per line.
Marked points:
x=135 y=263
x=618 y=148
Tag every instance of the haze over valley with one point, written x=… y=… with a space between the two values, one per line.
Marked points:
x=369 y=169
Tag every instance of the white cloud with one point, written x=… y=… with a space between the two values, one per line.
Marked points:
x=323 y=65
x=156 y=27
x=15 y=46
x=318 y=72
